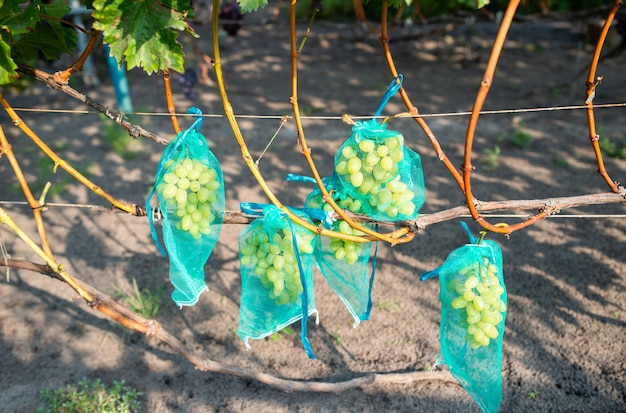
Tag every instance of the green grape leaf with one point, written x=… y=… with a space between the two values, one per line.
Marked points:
x=143 y=32
x=48 y=38
x=28 y=30
x=477 y=4
x=17 y=20
x=7 y=66
x=251 y=5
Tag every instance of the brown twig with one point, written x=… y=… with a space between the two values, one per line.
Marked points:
x=63 y=76
x=58 y=162
x=483 y=90
x=590 y=91
x=384 y=40
x=34 y=204
x=171 y=109
x=133 y=130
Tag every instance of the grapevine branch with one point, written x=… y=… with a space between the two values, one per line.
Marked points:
x=151 y=328
x=64 y=76
x=247 y=158
x=392 y=238
x=58 y=162
x=553 y=205
x=171 y=109
x=34 y=204
x=590 y=86
x=384 y=39
x=133 y=130
x=485 y=85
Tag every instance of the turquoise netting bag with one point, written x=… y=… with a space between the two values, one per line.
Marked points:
x=189 y=186
x=473 y=312
x=344 y=264
x=379 y=171
x=276 y=264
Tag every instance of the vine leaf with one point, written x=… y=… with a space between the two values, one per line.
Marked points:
x=28 y=30
x=251 y=5
x=477 y=4
x=143 y=33
x=7 y=66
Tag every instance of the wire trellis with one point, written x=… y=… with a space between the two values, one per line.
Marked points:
x=313 y=117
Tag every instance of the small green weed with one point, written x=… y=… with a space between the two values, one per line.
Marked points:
x=336 y=336
x=613 y=149
x=91 y=397
x=118 y=139
x=286 y=331
x=144 y=302
x=561 y=161
x=388 y=306
x=491 y=158
x=532 y=395
x=519 y=138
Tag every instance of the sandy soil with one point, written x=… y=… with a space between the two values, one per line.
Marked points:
x=564 y=344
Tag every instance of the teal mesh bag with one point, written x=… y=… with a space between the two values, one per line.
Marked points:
x=344 y=264
x=473 y=312
x=189 y=186
x=376 y=169
x=276 y=262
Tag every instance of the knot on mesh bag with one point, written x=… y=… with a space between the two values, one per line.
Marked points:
x=189 y=187
x=276 y=264
x=473 y=312
x=379 y=171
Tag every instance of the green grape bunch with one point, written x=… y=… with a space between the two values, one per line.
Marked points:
x=192 y=187
x=371 y=167
x=272 y=259
x=479 y=302
x=349 y=251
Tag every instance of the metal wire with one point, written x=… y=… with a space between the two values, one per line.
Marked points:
x=425 y=115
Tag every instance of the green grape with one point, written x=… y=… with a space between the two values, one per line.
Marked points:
x=348 y=152
x=356 y=179
x=354 y=166
x=479 y=302
x=367 y=145
x=382 y=151
x=386 y=163
x=169 y=190
x=192 y=187
x=272 y=259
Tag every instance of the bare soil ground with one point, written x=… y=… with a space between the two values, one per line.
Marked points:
x=564 y=346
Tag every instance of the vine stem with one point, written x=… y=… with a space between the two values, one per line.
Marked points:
x=483 y=90
x=58 y=162
x=133 y=130
x=384 y=40
x=247 y=158
x=63 y=76
x=171 y=109
x=555 y=205
x=397 y=237
x=58 y=269
x=151 y=328
x=34 y=204
x=590 y=87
